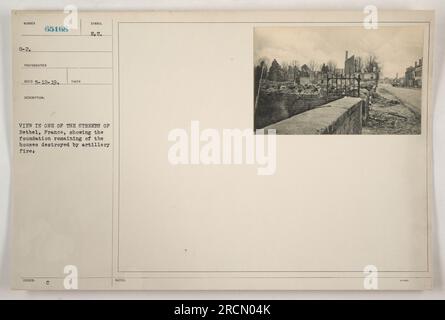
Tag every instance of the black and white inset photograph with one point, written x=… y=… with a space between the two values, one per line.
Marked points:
x=339 y=80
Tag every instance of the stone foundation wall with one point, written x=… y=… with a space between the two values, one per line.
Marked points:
x=342 y=116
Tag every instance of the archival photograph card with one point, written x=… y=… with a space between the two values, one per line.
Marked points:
x=222 y=150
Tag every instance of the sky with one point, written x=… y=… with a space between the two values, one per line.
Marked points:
x=396 y=47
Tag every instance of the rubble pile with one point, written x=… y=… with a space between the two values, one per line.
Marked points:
x=390 y=116
x=289 y=87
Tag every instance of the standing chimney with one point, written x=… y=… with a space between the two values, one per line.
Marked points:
x=346 y=57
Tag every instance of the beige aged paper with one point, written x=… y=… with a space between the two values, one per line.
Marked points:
x=98 y=202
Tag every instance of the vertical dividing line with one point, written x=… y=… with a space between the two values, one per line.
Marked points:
x=428 y=161
x=119 y=141
x=112 y=153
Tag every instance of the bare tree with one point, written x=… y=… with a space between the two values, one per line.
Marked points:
x=263 y=61
x=332 y=65
x=313 y=65
x=295 y=64
x=371 y=64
